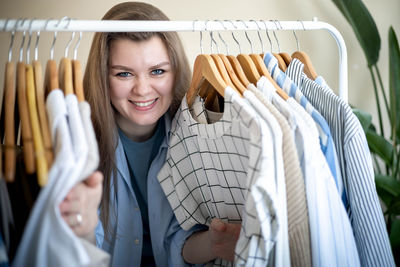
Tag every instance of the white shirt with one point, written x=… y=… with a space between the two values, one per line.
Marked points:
x=46 y=234
x=282 y=253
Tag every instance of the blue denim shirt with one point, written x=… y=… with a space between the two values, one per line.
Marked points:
x=167 y=237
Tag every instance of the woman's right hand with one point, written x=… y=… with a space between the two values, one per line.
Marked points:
x=219 y=241
x=79 y=208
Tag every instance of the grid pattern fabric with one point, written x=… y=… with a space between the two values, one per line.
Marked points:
x=210 y=170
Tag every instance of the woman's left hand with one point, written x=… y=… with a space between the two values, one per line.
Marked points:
x=79 y=207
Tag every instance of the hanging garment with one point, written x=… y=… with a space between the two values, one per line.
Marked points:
x=328 y=219
x=45 y=221
x=210 y=168
x=3 y=253
x=282 y=253
x=333 y=243
x=363 y=205
x=6 y=216
x=297 y=211
x=325 y=136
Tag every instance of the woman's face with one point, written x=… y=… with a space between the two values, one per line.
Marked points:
x=141 y=84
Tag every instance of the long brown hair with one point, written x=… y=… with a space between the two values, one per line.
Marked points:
x=97 y=88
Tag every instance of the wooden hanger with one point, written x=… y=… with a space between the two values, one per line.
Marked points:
x=259 y=62
x=9 y=120
x=65 y=72
x=281 y=62
x=41 y=107
x=249 y=68
x=41 y=163
x=27 y=140
x=78 y=81
x=204 y=68
x=308 y=66
x=232 y=74
x=238 y=70
x=286 y=57
x=51 y=77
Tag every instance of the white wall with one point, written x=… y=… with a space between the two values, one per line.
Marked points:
x=319 y=45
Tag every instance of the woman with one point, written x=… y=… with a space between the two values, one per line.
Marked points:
x=134 y=83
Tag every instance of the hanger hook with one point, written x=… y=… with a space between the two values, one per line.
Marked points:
x=266 y=31
x=55 y=37
x=276 y=39
x=77 y=45
x=12 y=39
x=247 y=36
x=21 y=49
x=70 y=40
x=213 y=40
x=220 y=37
x=297 y=40
x=233 y=36
x=259 y=35
x=28 y=46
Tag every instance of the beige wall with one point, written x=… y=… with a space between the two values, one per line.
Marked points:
x=319 y=45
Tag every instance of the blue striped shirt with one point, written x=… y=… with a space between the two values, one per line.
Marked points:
x=356 y=168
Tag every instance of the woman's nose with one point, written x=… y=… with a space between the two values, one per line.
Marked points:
x=142 y=86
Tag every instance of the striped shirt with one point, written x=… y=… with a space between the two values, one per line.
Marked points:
x=355 y=163
x=210 y=168
x=329 y=224
x=325 y=137
x=297 y=211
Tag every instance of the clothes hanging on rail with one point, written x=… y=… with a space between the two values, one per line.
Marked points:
x=355 y=162
x=325 y=136
x=297 y=211
x=210 y=168
x=340 y=231
x=45 y=222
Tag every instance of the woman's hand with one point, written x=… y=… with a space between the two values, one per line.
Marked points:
x=79 y=208
x=223 y=238
x=219 y=241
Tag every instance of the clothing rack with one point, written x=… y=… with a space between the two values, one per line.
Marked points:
x=70 y=25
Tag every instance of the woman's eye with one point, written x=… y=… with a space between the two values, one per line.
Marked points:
x=123 y=74
x=157 y=72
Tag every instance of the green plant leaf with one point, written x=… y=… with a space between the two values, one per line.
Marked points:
x=394 y=83
x=394 y=206
x=388 y=184
x=380 y=146
x=364 y=117
x=364 y=27
x=395 y=233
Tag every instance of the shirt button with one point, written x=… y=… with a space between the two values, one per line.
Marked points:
x=136 y=241
x=136 y=208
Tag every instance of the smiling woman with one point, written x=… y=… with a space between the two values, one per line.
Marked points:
x=141 y=85
x=134 y=82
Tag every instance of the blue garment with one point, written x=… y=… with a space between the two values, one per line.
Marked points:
x=324 y=132
x=167 y=237
x=139 y=156
x=3 y=253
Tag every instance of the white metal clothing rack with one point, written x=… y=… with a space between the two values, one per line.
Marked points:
x=162 y=26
